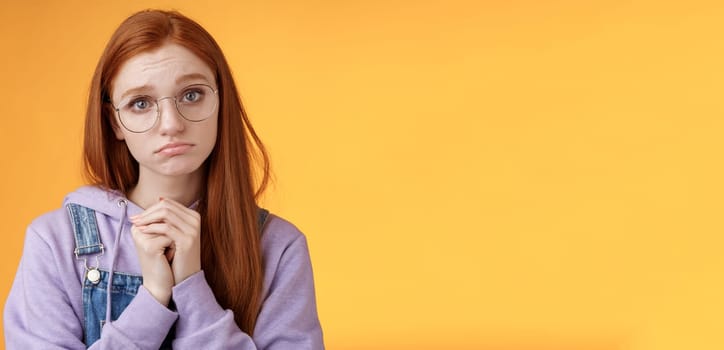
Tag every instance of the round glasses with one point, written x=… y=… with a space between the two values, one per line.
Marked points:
x=195 y=103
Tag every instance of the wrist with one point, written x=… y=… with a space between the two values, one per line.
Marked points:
x=183 y=275
x=160 y=294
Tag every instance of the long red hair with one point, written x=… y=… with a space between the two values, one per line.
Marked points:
x=230 y=240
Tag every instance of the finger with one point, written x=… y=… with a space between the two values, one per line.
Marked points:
x=152 y=244
x=159 y=243
x=190 y=216
x=167 y=215
x=174 y=228
x=178 y=205
x=141 y=235
x=162 y=214
x=168 y=210
x=151 y=209
x=164 y=229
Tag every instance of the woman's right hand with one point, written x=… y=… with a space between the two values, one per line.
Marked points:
x=155 y=267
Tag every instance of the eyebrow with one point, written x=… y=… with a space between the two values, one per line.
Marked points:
x=135 y=91
x=184 y=78
x=192 y=76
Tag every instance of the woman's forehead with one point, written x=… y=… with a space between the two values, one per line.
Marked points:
x=169 y=67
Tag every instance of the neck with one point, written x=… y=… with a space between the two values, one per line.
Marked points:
x=150 y=187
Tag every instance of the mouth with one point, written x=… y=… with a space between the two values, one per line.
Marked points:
x=174 y=148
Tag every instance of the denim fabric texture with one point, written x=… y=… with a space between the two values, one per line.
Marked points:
x=85 y=228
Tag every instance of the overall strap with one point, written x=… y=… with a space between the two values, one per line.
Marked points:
x=85 y=228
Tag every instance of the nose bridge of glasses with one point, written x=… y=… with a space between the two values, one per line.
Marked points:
x=173 y=104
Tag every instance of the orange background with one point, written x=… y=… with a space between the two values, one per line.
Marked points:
x=470 y=174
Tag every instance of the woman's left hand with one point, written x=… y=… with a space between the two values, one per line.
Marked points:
x=183 y=226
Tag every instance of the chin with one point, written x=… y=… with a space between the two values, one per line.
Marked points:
x=179 y=172
x=177 y=169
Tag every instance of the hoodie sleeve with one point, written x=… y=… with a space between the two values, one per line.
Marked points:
x=287 y=320
x=142 y=325
x=39 y=313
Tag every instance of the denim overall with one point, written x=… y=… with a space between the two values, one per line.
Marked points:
x=123 y=287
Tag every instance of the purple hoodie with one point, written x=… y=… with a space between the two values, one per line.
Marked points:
x=44 y=309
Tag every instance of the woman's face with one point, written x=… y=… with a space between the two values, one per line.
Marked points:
x=173 y=146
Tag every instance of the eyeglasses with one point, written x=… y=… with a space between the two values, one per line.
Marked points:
x=194 y=103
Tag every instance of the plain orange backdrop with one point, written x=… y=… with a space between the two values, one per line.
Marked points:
x=470 y=174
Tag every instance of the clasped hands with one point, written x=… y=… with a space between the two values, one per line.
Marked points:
x=167 y=241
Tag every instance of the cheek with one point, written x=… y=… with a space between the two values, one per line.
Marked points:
x=214 y=132
x=210 y=136
x=207 y=140
x=209 y=132
x=135 y=146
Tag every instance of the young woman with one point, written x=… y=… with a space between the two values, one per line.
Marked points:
x=167 y=247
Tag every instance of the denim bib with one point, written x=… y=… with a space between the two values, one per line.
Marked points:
x=95 y=281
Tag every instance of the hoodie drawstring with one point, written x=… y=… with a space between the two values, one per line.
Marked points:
x=123 y=204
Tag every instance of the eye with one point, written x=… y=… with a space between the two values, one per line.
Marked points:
x=139 y=104
x=192 y=95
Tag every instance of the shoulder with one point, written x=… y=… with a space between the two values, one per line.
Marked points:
x=281 y=241
x=59 y=219
x=279 y=233
x=53 y=227
x=49 y=245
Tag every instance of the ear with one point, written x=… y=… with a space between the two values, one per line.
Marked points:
x=117 y=130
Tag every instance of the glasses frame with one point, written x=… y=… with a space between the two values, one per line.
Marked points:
x=158 y=109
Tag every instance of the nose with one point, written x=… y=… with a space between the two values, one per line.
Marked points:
x=170 y=121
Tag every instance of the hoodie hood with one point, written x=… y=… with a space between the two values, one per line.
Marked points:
x=102 y=201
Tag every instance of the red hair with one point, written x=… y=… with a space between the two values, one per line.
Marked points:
x=230 y=239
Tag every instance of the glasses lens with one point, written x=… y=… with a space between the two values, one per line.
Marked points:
x=197 y=102
x=138 y=113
